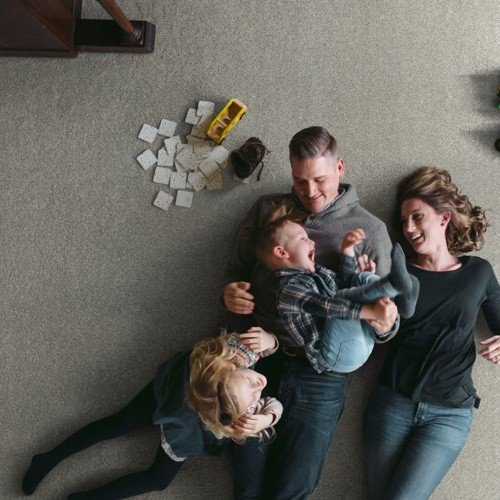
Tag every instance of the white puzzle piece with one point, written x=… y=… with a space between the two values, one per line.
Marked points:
x=209 y=167
x=148 y=133
x=178 y=180
x=215 y=182
x=167 y=128
x=163 y=200
x=191 y=117
x=162 y=175
x=205 y=108
x=219 y=154
x=200 y=129
x=197 y=180
x=147 y=159
x=165 y=159
x=184 y=199
x=171 y=143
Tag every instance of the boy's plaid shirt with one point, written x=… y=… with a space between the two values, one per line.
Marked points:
x=305 y=300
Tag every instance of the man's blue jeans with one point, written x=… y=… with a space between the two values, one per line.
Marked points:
x=409 y=447
x=346 y=344
x=290 y=466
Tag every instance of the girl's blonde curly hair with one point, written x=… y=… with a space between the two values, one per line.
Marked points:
x=432 y=185
x=212 y=363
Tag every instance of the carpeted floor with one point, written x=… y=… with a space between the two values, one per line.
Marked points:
x=98 y=286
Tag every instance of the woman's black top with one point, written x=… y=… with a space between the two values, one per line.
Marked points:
x=431 y=357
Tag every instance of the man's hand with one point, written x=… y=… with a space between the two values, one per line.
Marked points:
x=492 y=350
x=381 y=315
x=351 y=239
x=237 y=299
x=258 y=340
x=253 y=424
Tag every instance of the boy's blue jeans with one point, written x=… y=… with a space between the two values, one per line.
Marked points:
x=346 y=344
x=410 y=446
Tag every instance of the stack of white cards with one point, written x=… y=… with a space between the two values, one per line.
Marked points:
x=189 y=166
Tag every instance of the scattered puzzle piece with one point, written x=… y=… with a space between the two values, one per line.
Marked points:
x=200 y=129
x=197 y=180
x=162 y=175
x=171 y=143
x=147 y=159
x=178 y=180
x=184 y=199
x=167 y=128
x=148 y=133
x=219 y=154
x=165 y=159
x=163 y=200
x=209 y=167
x=191 y=117
x=205 y=108
x=215 y=182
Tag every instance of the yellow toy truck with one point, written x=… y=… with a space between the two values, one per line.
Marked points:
x=228 y=117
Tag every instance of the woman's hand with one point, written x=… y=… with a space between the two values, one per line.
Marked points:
x=492 y=350
x=253 y=424
x=258 y=340
x=237 y=299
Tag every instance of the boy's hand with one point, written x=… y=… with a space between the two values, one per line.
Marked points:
x=253 y=424
x=258 y=340
x=366 y=264
x=351 y=239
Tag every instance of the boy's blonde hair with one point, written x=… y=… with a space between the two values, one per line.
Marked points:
x=212 y=363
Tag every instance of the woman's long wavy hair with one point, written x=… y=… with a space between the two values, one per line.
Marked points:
x=432 y=185
x=212 y=363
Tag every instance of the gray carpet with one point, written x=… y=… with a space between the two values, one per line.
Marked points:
x=99 y=286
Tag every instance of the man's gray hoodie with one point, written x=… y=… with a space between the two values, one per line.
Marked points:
x=326 y=228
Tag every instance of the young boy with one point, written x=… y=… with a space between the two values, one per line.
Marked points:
x=322 y=310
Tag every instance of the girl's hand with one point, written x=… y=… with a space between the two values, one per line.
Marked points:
x=492 y=350
x=366 y=264
x=258 y=340
x=253 y=424
x=351 y=239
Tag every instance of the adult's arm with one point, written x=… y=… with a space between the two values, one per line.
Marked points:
x=491 y=310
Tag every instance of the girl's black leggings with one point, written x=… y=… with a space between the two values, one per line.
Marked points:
x=138 y=413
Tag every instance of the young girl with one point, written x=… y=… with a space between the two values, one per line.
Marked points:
x=220 y=388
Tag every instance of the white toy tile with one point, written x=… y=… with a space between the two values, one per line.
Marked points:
x=162 y=175
x=205 y=108
x=184 y=199
x=148 y=133
x=200 y=129
x=179 y=167
x=215 y=182
x=223 y=165
x=165 y=159
x=147 y=159
x=163 y=200
x=191 y=117
x=219 y=154
x=197 y=180
x=171 y=142
x=209 y=167
x=167 y=128
x=178 y=180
